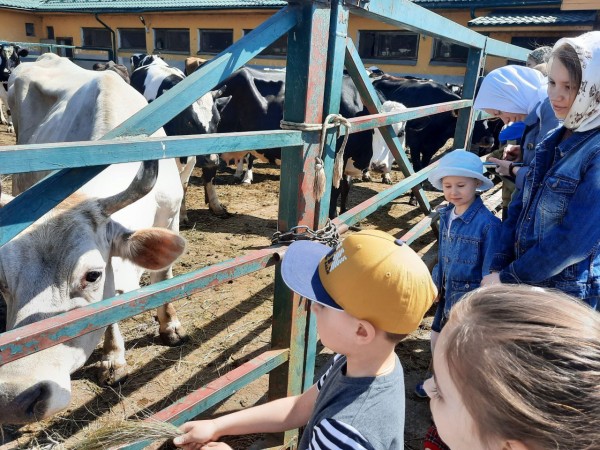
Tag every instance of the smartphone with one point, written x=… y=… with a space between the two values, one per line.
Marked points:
x=489 y=164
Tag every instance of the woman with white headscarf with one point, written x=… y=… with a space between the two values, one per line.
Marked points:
x=551 y=237
x=517 y=94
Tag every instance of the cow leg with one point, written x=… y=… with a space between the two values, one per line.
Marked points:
x=335 y=193
x=170 y=329
x=113 y=366
x=366 y=175
x=185 y=172
x=386 y=178
x=249 y=176
x=239 y=171
x=344 y=191
x=210 y=193
x=415 y=157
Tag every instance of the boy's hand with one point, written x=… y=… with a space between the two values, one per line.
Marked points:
x=196 y=432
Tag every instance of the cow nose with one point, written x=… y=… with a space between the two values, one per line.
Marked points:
x=34 y=401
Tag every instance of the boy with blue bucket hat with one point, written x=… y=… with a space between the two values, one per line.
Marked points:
x=468 y=236
x=367 y=294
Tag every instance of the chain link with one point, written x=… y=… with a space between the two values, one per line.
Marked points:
x=327 y=235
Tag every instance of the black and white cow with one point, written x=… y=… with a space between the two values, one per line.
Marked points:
x=426 y=135
x=152 y=78
x=10 y=57
x=257 y=99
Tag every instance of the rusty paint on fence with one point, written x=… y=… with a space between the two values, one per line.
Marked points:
x=209 y=395
x=22 y=341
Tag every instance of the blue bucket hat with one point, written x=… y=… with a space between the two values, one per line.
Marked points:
x=460 y=163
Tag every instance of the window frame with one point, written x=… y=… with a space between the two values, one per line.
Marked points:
x=139 y=29
x=447 y=60
x=269 y=52
x=95 y=30
x=30 y=29
x=171 y=50
x=201 y=40
x=378 y=54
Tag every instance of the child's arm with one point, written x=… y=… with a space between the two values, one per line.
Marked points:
x=276 y=416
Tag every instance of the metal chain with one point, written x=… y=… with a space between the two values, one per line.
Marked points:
x=327 y=235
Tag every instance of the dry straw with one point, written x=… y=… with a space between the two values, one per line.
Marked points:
x=124 y=432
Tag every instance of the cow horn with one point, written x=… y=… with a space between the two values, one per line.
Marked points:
x=142 y=184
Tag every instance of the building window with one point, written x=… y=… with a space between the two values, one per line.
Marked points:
x=29 y=29
x=50 y=32
x=176 y=40
x=449 y=52
x=215 y=41
x=388 y=45
x=96 y=37
x=132 y=39
x=277 y=48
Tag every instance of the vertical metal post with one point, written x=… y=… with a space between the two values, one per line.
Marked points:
x=464 y=124
x=307 y=62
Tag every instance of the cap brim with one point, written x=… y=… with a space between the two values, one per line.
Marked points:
x=300 y=271
x=436 y=176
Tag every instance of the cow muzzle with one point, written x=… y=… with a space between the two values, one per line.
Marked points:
x=34 y=403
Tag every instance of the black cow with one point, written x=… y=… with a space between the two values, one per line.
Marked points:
x=257 y=100
x=10 y=57
x=152 y=78
x=426 y=135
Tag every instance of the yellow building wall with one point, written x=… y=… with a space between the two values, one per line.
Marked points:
x=70 y=25
x=12 y=24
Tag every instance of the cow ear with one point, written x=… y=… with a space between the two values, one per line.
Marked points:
x=222 y=102
x=150 y=248
x=23 y=52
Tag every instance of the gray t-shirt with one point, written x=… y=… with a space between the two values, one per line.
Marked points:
x=357 y=413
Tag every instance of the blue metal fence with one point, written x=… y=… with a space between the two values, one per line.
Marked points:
x=318 y=44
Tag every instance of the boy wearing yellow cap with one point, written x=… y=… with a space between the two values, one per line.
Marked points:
x=367 y=295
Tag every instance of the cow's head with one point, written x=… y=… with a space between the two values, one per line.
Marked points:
x=63 y=262
x=142 y=59
x=483 y=139
x=10 y=57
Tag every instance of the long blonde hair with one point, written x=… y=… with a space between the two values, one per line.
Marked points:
x=526 y=362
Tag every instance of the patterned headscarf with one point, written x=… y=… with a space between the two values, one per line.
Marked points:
x=514 y=89
x=584 y=114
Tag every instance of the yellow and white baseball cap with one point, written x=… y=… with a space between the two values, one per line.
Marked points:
x=370 y=275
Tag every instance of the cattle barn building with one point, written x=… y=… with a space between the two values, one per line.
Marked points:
x=205 y=27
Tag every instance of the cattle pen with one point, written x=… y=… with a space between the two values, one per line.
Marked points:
x=318 y=44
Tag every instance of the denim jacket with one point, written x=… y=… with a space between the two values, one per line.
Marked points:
x=465 y=255
x=536 y=128
x=551 y=237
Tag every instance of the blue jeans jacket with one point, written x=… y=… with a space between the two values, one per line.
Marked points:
x=465 y=255
x=551 y=237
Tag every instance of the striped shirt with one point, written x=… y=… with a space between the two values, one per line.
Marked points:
x=356 y=413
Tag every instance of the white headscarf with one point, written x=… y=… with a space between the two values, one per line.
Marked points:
x=514 y=89
x=584 y=114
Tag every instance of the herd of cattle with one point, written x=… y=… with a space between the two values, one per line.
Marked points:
x=97 y=243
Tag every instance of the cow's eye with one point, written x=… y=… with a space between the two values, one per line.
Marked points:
x=92 y=276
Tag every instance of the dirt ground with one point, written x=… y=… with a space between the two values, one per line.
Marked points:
x=227 y=325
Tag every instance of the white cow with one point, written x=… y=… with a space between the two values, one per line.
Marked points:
x=382 y=159
x=94 y=245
